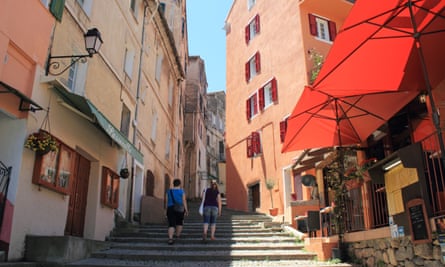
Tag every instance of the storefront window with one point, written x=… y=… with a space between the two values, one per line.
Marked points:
x=54 y=169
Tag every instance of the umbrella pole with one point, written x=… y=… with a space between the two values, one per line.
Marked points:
x=435 y=114
x=434 y=111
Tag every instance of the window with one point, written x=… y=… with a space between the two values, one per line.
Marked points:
x=221 y=150
x=170 y=91
x=268 y=94
x=133 y=7
x=167 y=146
x=129 y=60
x=125 y=120
x=253 y=145
x=154 y=124
x=110 y=188
x=252 y=29
x=159 y=59
x=55 y=170
x=283 y=129
x=322 y=28
x=162 y=8
x=250 y=4
x=45 y=3
x=253 y=67
x=71 y=83
x=56 y=8
x=178 y=153
x=171 y=18
x=251 y=106
x=183 y=28
x=77 y=78
x=86 y=6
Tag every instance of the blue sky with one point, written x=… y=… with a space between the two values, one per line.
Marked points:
x=207 y=39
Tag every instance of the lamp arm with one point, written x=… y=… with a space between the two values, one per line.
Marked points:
x=55 y=65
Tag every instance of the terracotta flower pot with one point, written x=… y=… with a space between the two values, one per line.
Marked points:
x=273 y=211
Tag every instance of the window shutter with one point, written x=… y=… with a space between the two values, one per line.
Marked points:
x=312 y=25
x=56 y=8
x=257 y=62
x=274 y=90
x=283 y=128
x=332 y=30
x=247 y=33
x=247 y=71
x=256 y=143
x=257 y=23
x=261 y=97
x=255 y=104
x=248 y=111
x=249 y=146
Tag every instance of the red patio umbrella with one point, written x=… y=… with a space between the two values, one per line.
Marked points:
x=389 y=46
x=323 y=120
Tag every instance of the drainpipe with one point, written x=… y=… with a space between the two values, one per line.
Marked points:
x=136 y=110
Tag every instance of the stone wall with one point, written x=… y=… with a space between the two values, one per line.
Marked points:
x=395 y=252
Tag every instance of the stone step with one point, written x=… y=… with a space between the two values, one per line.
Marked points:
x=209 y=255
x=208 y=246
x=93 y=262
x=196 y=229
x=226 y=240
x=188 y=227
x=242 y=239
x=186 y=234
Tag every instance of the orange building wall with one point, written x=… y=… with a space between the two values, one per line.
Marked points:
x=25 y=31
x=283 y=42
x=290 y=72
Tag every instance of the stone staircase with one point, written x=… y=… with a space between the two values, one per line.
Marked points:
x=242 y=239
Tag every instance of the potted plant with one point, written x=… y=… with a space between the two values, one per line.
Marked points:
x=42 y=142
x=270 y=184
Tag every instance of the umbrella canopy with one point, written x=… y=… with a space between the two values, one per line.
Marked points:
x=323 y=120
x=392 y=45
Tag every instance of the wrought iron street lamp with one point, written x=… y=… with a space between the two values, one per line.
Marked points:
x=93 y=42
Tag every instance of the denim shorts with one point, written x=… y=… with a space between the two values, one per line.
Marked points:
x=210 y=214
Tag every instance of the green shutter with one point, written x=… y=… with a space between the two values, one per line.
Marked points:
x=56 y=8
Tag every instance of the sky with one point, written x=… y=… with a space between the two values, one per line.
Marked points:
x=207 y=38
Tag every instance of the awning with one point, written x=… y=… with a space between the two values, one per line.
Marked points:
x=26 y=103
x=89 y=110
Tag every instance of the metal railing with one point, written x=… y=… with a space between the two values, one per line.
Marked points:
x=434 y=174
x=379 y=206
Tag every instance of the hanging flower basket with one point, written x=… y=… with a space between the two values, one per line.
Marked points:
x=42 y=142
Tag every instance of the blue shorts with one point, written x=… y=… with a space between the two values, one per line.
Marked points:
x=210 y=214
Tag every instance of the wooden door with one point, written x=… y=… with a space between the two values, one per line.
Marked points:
x=78 y=198
x=255 y=193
